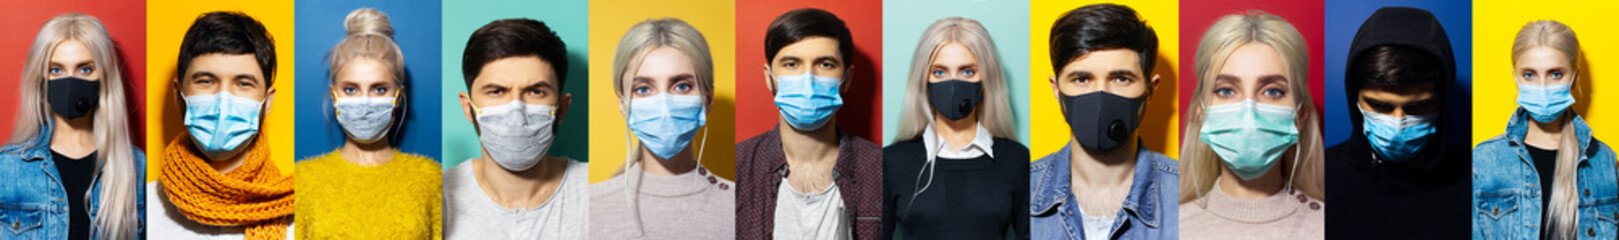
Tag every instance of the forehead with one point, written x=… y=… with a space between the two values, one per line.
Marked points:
x=1542 y=58
x=814 y=46
x=364 y=71
x=70 y=52
x=1106 y=59
x=222 y=64
x=664 y=62
x=516 y=71
x=952 y=54
x=1252 y=60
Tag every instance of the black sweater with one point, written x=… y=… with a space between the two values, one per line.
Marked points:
x=981 y=198
x=1428 y=197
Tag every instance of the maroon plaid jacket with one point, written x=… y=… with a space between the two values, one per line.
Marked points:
x=760 y=165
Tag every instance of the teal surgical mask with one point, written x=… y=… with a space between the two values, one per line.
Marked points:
x=1249 y=136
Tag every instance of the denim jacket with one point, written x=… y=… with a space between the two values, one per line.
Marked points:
x=1150 y=211
x=1506 y=189
x=33 y=202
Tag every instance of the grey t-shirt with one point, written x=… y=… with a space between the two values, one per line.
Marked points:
x=469 y=213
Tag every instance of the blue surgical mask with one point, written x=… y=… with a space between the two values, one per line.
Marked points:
x=1545 y=102
x=1249 y=136
x=1397 y=139
x=665 y=123
x=365 y=119
x=807 y=101
x=219 y=123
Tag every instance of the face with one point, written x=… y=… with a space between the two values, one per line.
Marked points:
x=528 y=79
x=364 y=77
x=1419 y=101
x=818 y=55
x=238 y=74
x=1543 y=66
x=1116 y=71
x=954 y=61
x=663 y=70
x=1253 y=71
x=72 y=59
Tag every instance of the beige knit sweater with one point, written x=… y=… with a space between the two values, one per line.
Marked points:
x=1285 y=215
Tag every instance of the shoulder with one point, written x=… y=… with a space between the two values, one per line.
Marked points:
x=459 y=176
x=752 y=144
x=1498 y=147
x=418 y=162
x=1011 y=148
x=607 y=190
x=318 y=161
x=1163 y=164
x=906 y=147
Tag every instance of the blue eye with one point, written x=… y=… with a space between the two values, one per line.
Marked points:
x=1224 y=92
x=380 y=90
x=642 y=90
x=938 y=73
x=348 y=90
x=1274 y=92
x=683 y=87
x=85 y=70
x=969 y=72
x=1557 y=75
x=1528 y=75
x=56 y=71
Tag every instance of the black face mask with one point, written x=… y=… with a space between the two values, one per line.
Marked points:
x=955 y=98
x=72 y=97
x=1101 y=120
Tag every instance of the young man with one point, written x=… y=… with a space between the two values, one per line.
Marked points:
x=807 y=165
x=217 y=180
x=1397 y=173
x=1104 y=184
x=514 y=71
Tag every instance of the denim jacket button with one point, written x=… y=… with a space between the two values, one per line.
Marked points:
x=15 y=225
x=1587 y=192
x=1590 y=232
x=1496 y=211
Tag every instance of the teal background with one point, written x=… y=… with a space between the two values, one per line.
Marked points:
x=1008 y=25
x=570 y=20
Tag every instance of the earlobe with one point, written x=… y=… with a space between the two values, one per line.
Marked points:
x=466 y=107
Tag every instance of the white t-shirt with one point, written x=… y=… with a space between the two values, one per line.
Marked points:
x=817 y=215
x=1096 y=227
x=469 y=213
x=165 y=221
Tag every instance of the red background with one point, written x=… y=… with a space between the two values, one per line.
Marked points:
x=125 y=21
x=862 y=110
x=1198 y=15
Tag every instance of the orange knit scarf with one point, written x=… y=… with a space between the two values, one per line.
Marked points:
x=254 y=195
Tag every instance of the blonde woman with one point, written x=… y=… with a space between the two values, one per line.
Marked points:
x=368 y=188
x=954 y=171
x=69 y=163
x=663 y=77
x=1252 y=171
x=1547 y=171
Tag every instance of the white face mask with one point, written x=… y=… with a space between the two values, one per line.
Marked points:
x=516 y=135
x=365 y=119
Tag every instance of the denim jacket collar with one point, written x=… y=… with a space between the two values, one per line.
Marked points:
x=1518 y=127
x=36 y=149
x=1053 y=190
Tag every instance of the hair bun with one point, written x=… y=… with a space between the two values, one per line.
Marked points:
x=368 y=21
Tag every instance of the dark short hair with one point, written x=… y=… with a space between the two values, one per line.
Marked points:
x=1102 y=27
x=230 y=33
x=798 y=24
x=1395 y=68
x=517 y=37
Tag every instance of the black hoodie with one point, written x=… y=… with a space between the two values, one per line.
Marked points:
x=1427 y=197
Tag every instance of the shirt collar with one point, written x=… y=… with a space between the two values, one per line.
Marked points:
x=982 y=144
x=1143 y=201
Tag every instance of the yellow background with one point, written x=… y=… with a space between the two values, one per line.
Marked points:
x=166 y=24
x=609 y=19
x=1051 y=130
x=1495 y=23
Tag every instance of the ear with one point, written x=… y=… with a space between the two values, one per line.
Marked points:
x=848 y=77
x=562 y=110
x=269 y=101
x=1152 y=85
x=770 y=81
x=1056 y=92
x=466 y=107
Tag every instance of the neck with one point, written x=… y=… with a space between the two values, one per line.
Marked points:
x=74 y=138
x=1102 y=168
x=957 y=133
x=528 y=188
x=1262 y=187
x=682 y=162
x=367 y=154
x=809 y=146
x=1545 y=135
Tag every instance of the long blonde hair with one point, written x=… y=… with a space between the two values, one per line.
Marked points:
x=1201 y=167
x=116 y=173
x=1561 y=209
x=996 y=113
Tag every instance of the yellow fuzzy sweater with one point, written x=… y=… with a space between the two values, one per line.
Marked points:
x=399 y=199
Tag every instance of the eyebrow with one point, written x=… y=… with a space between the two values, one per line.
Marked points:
x=1126 y=73
x=1273 y=78
x=1222 y=78
x=832 y=59
x=1077 y=73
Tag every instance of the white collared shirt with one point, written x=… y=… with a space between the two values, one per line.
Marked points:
x=981 y=145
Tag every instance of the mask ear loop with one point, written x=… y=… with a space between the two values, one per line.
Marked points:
x=1297 y=150
x=931 y=163
x=631 y=179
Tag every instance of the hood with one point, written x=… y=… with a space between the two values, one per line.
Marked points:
x=1406 y=27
